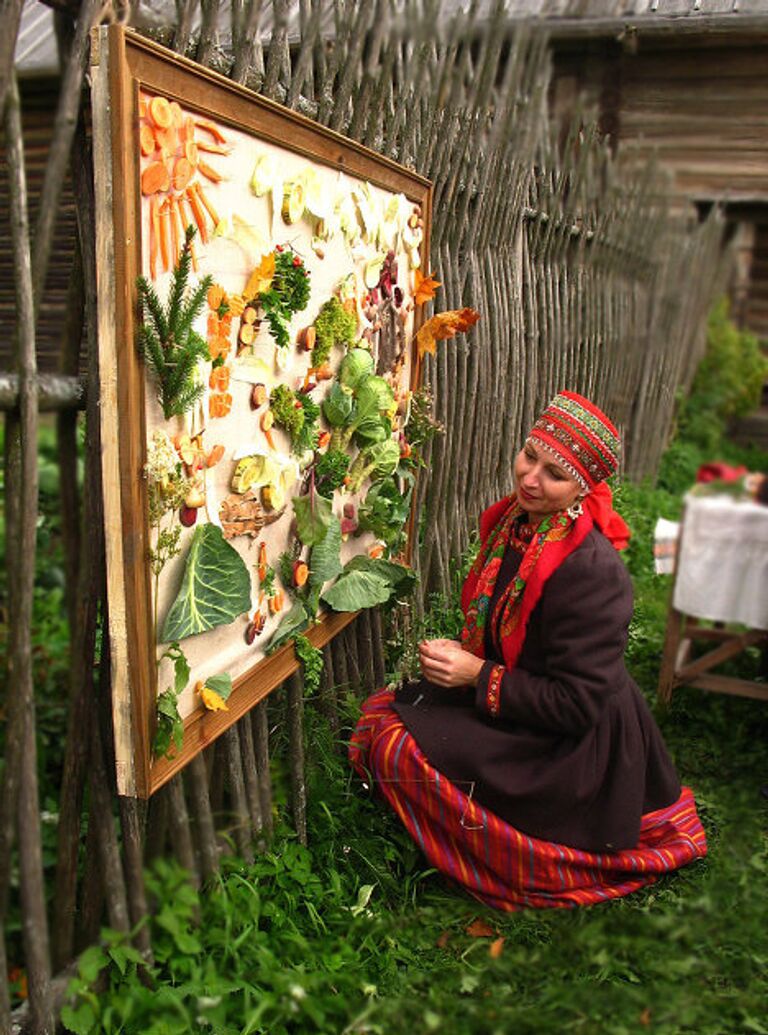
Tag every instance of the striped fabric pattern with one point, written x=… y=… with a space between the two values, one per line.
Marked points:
x=493 y=861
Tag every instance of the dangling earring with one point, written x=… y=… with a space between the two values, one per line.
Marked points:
x=576 y=509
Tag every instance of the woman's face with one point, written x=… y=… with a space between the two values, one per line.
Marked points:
x=542 y=485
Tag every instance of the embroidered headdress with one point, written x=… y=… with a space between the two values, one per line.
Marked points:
x=580 y=437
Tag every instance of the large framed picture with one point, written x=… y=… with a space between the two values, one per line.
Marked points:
x=260 y=280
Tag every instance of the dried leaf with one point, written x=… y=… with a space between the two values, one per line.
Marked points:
x=645 y=1017
x=424 y=287
x=480 y=929
x=444 y=325
x=213 y=701
x=261 y=278
x=496 y=948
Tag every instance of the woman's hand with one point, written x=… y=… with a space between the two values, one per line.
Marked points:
x=446 y=663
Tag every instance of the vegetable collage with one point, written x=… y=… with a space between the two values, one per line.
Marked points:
x=278 y=306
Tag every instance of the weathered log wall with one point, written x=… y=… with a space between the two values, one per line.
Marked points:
x=581 y=275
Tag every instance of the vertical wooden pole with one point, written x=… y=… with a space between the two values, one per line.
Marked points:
x=294 y=703
x=31 y=880
x=179 y=828
x=82 y=697
x=250 y=773
x=238 y=801
x=132 y=821
x=261 y=746
x=200 y=808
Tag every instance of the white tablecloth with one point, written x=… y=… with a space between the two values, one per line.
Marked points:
x=722 y=564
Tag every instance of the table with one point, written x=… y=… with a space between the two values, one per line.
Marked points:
x=721 y=578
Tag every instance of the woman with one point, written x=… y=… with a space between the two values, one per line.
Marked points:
x=525 y=762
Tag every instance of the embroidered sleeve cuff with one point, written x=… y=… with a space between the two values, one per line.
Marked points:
x=489 y=688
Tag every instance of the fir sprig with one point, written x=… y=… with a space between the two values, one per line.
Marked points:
x=171 y=348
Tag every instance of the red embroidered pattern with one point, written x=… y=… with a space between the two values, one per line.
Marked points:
x=493 y=693
x=552 y=529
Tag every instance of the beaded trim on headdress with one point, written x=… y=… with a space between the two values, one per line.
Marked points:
x=562 y=461
x=580 y=436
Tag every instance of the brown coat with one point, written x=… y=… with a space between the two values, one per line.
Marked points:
x=574 y=755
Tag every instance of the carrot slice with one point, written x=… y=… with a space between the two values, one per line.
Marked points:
x=146 y=140
x=219 y=379
x=187 y=131
x=215 y=296
x=166 y=140
x=154 y=235
x=175 y=243
x=155 y=178
x=213 y=149
x=163 y=225
x=177 y=115
x=214 y=456
x=182 y=173
x=212 y=128
x=185 y=221
x=219 y=404
x=198 y=213
x=190 y=152
x=207 y=171
x=160 y=112
x=208 y=206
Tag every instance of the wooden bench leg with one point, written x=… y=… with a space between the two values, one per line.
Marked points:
x=669 y=656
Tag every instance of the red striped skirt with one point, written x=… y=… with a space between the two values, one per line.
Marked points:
x=496 y=863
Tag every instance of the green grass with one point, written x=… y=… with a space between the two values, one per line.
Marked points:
x=356 y=934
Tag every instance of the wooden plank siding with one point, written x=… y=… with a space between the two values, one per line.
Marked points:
x=38 y=101
x=699 y=104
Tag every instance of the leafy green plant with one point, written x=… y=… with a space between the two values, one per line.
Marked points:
x=170 y=725
x=330 y=471
x=298 y=414
x=385 y=510
x=727 y=384
x=287 y=294
x=171 y=347
x=313 y=516
x=215 y=589
x=333 y=326
x=311 y=659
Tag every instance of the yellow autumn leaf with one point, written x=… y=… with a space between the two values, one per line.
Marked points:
x=424 y=287
x=213 y=702
x=444 y=325
x=261 y=278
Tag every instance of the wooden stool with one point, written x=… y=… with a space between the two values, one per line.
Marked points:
x=677 y=669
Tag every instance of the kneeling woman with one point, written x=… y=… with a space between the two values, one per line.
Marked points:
x=525 y=762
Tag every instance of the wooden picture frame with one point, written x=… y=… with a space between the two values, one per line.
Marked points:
x=122 y=65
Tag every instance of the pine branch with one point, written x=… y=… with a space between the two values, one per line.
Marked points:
x=151 y=304
x=179 y=285
x=171 y=348
x=193 y=307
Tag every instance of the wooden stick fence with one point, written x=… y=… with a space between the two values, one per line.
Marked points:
x=583 y=278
